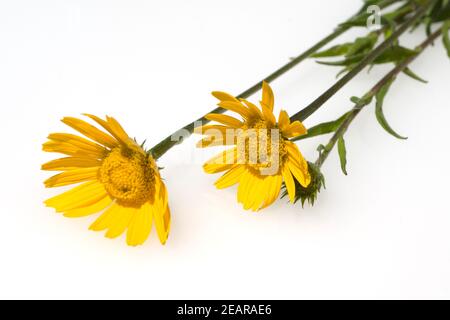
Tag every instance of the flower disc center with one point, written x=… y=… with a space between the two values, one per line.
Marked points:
x=262 y=147
x=128 y=175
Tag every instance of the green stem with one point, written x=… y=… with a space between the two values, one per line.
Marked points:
x=368 y=97
x=369 y=59
x=178 y=136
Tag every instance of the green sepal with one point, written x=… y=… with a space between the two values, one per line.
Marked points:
x=308 y=194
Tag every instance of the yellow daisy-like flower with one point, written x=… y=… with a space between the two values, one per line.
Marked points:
x=262 y=157
x=114 y=175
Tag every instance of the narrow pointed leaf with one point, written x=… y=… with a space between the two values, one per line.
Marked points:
x=342 y=155
x=413 y=75
x=379 y=111
x=444 y=14
x=363 y=44
x=446 y=37
x=321 y=148
x=395 y=54
x=335 y=51
x=344 y=70
x=361 y=102
x=359 y=21
x=346 y=62
x=355 y=100
x=441 y=11
x=323 y=128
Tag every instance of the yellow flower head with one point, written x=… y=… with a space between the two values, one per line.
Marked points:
x=262 y=156
x=115 y=176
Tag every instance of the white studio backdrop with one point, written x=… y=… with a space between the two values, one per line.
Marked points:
x=381 y=232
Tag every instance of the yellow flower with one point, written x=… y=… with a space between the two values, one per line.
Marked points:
x=115 y=176
x=262 y=156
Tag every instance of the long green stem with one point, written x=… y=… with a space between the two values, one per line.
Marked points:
x=175 y=138
x=369 y=59
x=370 y=95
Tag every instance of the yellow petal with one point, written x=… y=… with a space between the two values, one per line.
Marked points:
x=299 y=173
x=216 y=168
x=283 y=120
x=70 y=150
x=250 y=196
x=225 y=159
x=273 y=190
x=70 y=163
x=260 y=186
x=214 y=141
x=161 y=214
x=72 y=177
x=295 y=129
x=223 y=96
x=107 y=218
x=268 y=115
x=216 y=135
x=78 y=142
x=94 y=208
x=289 y=182
x=120 y=222
x=140 y=226
x=267 y=96
x=243 y=187
x=236 y=107
x=117 y=129
x=226 y=120
x=296 y=156
x=83 y=195
x=90 y=131
x=253 y=109
x=212 y=129
x=231 y=177
x=112 y=126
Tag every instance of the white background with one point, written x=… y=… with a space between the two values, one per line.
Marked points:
x=381 y=232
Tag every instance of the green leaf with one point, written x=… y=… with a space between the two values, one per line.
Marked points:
x=353 y=52
x=344 y=70
x=444 y=14
x=395 y=54
x=379 y=110
x=358 y=21
x=323 y=128
x=390 y=26
x=355 y=100
x=391 y=17
x=338 y=50
x=411 y=74
x=440 y=12
x=436 y=9
x=346 y=62
x=363 y=44
x=361 y=102
x=321 y=148
x=446 y=37
x=342 y=154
